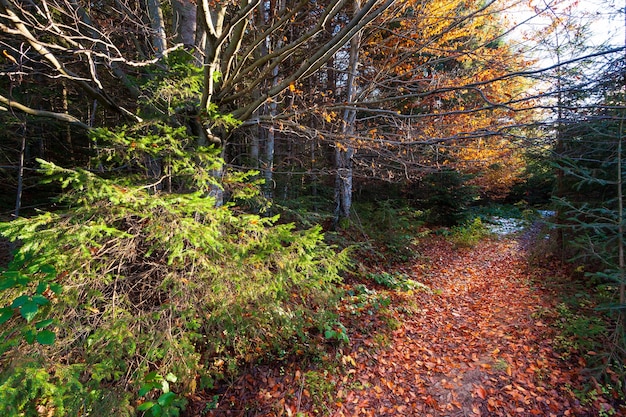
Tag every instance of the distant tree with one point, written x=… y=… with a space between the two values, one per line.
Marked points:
x=435 y=92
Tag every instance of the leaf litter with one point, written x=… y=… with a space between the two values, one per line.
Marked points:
x=470 y=346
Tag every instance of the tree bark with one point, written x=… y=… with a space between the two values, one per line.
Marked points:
x=270 y=139
x=185 y=22
x=159 y=37
x=344 y=151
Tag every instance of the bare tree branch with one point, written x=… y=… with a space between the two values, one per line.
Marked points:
x=42 y=113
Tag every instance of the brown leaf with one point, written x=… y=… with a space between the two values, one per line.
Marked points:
x=481 y=392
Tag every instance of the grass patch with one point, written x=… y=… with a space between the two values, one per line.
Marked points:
x=469 y=233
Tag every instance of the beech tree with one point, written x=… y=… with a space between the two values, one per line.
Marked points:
x=429 y=89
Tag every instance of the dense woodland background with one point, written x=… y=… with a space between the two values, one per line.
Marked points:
x=168 y=168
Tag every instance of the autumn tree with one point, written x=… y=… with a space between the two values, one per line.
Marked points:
x=433 y=91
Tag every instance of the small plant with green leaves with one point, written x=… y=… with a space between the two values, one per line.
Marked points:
x=336 y=332
x=578 y=332
x=168 y=403
x=395 y=281
x=361 y=300
x=321 y=386
x=469 y=233
x=29 y=288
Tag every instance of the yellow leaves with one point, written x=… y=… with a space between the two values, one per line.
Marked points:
x=341 y=146
x=496 y=163
x=329 y=117
x=293 y=88
x=347 y=359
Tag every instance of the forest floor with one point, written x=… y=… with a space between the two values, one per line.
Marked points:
x=477 y=340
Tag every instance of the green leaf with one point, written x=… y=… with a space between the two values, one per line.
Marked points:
x=5 y=314
x=29 y=335
x=40 y=300
x=23 y=279
x=49 y=270
x=9 y=279
x=56 y=288
x=166 y=399
x=216 y=76
x=157 y=410
x=28 y=310
x=46 y=337
x=20 y=301
x=33 y=269
x=6 y=283
x=146 y=406
x=41 y=287
x=151 y=376
x=42 y=324
x=171 y=377
x=145 y=388
x=165 y=386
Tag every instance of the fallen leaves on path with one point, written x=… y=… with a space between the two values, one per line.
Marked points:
x=473 y=345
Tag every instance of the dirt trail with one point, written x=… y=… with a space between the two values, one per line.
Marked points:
x=475 y=345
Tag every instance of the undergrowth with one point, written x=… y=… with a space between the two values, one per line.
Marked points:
x=469 y=233
x=384 y=232
x=588 y=330
x=129 y=299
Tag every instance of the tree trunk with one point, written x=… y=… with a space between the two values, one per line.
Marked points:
x=185 y=22
x=560 y=150
x=159 y=38
x=343 y=183
x=344 y=151
x=270 y=142
x=620 y=224
x=20 y=178
x=213 y=25
x=621 y=323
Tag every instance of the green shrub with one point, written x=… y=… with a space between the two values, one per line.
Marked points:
x=578 y=332
x=446 y=196
x=392 y=225
x=469 y=233
x=125 y=283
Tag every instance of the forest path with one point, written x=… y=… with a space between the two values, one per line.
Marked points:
x=474 y=344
